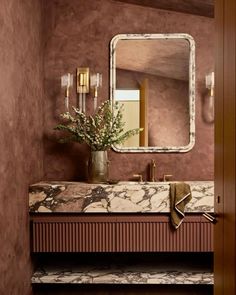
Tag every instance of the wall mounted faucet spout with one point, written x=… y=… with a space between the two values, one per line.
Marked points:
x=152 y=171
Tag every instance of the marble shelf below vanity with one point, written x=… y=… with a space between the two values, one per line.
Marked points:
x=123 y=197
x=121 y=274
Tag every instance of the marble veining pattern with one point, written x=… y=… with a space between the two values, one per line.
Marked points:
x=117 y=198
x=120 y=274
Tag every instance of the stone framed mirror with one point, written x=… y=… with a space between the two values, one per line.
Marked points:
x=153 y=77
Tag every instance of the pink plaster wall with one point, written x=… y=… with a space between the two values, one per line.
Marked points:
x=77 y=33
x=21 y=125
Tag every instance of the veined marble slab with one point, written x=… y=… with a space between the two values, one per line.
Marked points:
x=48 y=197
x=118 y=274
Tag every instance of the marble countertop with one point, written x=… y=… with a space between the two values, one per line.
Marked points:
x=124 y=197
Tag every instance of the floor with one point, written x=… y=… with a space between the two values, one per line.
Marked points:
x=122 y=290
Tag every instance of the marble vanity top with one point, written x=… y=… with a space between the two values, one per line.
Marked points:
x=123 y=197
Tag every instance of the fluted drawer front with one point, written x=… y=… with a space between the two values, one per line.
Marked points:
x=120 y=234
x=73 y=237
x=207 y=238
x=150 y=236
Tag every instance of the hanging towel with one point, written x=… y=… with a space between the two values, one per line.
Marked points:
x=180 y=195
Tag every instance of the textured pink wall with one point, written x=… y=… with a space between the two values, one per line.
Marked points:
x=78 y=34
x=21 y=127
x=168 y=107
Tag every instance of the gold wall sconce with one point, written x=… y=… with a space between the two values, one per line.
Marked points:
x=95 y=83
x=210 y=82
x=84 y=83
x=82 y=86
x=208 y=108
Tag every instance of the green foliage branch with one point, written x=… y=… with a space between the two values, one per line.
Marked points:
x=100 y=131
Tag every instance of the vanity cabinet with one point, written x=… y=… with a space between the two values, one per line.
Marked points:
x=119 y=233
x=107 y=227
x=125 y=217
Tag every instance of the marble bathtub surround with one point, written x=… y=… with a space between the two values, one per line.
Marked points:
x=49 y=197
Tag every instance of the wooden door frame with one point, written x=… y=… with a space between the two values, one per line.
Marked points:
x=225 y=148
x=144 y=99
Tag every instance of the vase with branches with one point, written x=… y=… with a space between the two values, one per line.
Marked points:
x=100 y=132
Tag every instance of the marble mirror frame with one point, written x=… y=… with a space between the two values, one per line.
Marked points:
x=158 y=149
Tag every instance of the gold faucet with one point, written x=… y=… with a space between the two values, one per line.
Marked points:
x=166 y=177
x=152 y=171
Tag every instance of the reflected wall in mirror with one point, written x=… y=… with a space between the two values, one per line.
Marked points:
x=153 y=76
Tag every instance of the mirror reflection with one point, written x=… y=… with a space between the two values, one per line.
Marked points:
x=153 y=77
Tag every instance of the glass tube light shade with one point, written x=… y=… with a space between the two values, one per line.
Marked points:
x=208 y=106
x=67 y=83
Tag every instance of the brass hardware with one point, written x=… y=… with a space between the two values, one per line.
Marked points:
x=167 y=177
x=210 y=217
x=152 y=171
x=96 y=92
x=210 y=82
x=139 y=177
x=82 y=80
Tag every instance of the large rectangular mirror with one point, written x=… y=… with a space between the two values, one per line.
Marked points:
x=153 y=76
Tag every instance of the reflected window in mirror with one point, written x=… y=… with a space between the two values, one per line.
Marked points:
x=162 y=68
x=129 y=99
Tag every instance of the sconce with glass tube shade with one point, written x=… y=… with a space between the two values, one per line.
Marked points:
x=84 y=82
x=82 y=86
x=208 y=107
x=67 y=83
x=95 y=83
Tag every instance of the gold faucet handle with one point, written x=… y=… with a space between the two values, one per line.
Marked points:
x=167 y=177
x=139 y=177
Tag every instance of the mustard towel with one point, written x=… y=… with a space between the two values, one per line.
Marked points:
x=180 y=195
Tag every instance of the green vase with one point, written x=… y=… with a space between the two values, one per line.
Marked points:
x=98 y=167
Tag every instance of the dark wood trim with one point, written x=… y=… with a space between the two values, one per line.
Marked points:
x=229 y=146
x=225 y=148
x=219 y=148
